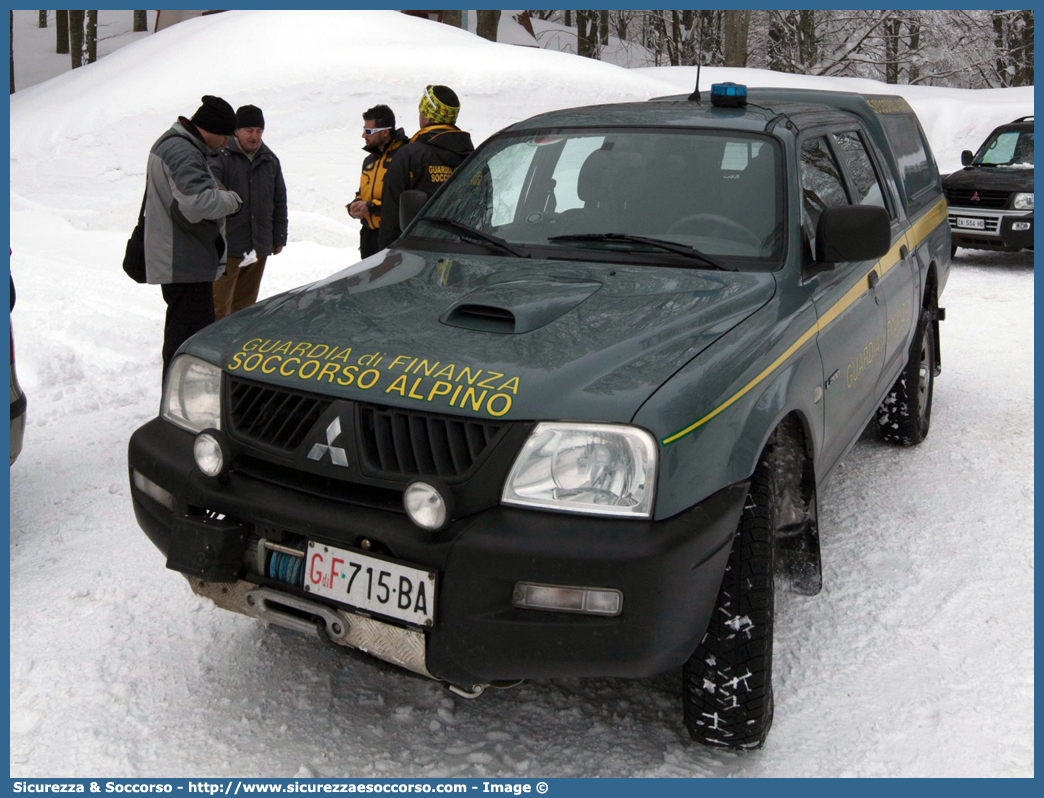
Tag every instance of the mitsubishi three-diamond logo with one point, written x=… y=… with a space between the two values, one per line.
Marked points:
x=337 y=456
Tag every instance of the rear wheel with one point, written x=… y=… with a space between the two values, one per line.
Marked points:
x=727 y=682
x=906 y=413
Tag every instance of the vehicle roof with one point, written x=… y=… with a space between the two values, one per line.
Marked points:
x=1022 y=123
x=802 y=106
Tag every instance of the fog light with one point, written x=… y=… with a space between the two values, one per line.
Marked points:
x=1020 y=226
x=152 y=490
x=211 y=453
x=426 y=505
x=559 y=598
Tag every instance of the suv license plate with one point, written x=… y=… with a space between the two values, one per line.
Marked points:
x=369 y=583
x=971 y=224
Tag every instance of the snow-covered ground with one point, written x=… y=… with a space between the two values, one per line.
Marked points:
x=915 y=660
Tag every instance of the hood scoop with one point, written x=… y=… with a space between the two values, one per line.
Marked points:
x=518 y=306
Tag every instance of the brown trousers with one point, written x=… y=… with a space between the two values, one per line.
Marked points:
x=237 y=288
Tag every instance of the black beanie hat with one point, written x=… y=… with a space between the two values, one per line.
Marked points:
x=215 y=116
x=249 y=116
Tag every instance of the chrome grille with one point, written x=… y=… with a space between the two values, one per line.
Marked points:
x=272 y=417
x=403 y=442
x=987 y=199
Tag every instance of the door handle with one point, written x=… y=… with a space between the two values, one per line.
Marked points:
x=873 y=278
x=903 y=251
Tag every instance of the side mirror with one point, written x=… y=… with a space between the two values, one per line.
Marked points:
x=853 y=233
x=410 y=204
x=966 y=157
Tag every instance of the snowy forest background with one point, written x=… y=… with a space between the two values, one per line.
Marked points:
x=944 y=47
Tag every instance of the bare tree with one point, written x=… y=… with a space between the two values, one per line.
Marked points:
x=12 y=51
x=141 y=21
x=61 y=30
x=42 y=19
x=587 y=33
x=487 y=24
x=76 y=19
x=603 y=27
x=452 y=18
x=90 y=37
x=737 y=29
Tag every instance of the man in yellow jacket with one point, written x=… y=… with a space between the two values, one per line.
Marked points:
x=382 y=140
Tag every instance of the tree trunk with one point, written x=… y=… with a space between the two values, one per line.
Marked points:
x=90 y=37
x=603 y=27
x=891 y=33
x=1024 y=73
x=621 y=25
x=61 y=28
x=585 y=39
x=487 y=24
x=76 y=38
x=1002 y=49
x=451 y=18
x=568 y=18
x=43 y=19
x=914 y=45
x=12 y=52
x=737 y=29
x=808 y=49
x=141 y=21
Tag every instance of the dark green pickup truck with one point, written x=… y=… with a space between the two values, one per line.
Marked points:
x=574 y=422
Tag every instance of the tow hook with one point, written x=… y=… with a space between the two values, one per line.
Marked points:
x=475 y=691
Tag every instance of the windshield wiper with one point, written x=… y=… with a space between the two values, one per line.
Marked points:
x=668 y=246
x=464 y=231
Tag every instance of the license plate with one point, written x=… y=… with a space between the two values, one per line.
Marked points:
x=370 y=583
x=971 y=224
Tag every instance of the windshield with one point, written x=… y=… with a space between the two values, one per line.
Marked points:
x=1007 y=148
x=571 y=193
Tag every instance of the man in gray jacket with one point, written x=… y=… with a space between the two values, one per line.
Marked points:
x=185 y=210
x=249 y=168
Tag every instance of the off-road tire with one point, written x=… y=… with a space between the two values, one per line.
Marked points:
x=727 y=682
x=906 y=413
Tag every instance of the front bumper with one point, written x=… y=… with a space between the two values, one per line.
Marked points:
x=998 y=230
x=669 y=571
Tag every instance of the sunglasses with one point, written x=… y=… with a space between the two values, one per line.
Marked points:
x=369 y=131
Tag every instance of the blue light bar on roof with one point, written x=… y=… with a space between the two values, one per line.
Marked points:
x=728 y=95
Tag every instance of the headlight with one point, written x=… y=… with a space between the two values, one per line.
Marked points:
x=192 y=398
x=598 y=469
x=1024 y=202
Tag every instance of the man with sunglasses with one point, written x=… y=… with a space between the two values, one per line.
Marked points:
x=382 y=140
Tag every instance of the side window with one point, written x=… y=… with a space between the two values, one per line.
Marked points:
x=860 y=169
x=821 y=184
x=917 y=165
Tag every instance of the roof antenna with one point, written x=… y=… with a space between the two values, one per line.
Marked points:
x=695 y=96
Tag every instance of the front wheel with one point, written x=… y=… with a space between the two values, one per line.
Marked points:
x=906 y=413
x=727 y=682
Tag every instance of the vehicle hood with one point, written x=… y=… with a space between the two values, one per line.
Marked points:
x=487 y=336
x=991 y=178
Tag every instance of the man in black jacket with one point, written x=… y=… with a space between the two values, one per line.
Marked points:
x=382 y=141
x=430 y=157
x=259 y=229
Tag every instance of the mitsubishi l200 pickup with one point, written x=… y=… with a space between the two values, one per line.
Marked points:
x=574 y=422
